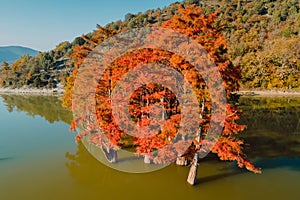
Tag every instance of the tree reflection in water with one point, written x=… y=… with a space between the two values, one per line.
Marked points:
x=48 y=107
x=272 y=140
x=273 y=130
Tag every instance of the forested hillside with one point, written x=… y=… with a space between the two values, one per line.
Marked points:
x=263 y=38
x=47 y=69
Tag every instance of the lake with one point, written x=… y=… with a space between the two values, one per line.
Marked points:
x=39 y=158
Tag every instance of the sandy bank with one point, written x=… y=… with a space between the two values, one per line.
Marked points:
x=44 y=91
x=32 y=91
x=270 y=93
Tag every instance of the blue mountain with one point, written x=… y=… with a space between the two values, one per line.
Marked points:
x=12 y=53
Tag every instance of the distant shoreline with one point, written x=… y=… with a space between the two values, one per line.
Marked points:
x=32 y=91
x=243 y=92
x=269 y=93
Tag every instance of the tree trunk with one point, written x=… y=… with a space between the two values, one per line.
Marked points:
x=182 y=161
x=110 y=154
x=192 y=177
x=147 y=159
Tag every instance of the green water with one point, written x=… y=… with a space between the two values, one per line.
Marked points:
x=39 y=158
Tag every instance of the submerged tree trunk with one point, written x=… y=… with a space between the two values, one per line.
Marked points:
x=182 y=161
x=192 y=177
x=110 y=154
x=147 y=159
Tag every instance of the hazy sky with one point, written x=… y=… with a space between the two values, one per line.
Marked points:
x=42 y=24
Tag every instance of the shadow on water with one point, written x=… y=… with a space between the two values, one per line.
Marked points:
x=218 y=176
x=6 y=159
x=265 y=164
x=291 y=163
x=48 y=107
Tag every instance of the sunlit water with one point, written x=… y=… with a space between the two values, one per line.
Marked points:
x=39 y=158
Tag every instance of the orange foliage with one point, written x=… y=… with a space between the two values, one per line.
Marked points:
x=191 y=22
x=78 y=56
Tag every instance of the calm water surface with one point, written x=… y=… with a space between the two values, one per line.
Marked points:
x=39 y=158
